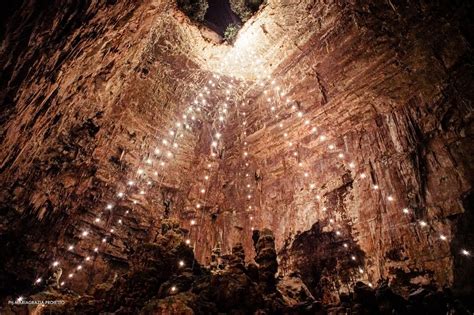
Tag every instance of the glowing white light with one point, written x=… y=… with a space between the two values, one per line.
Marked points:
x=361 y=270
x=318 y=197
x=375 y=187
x=169 y=154
x=338 y=233
x=249 y=196
x=214 y=143
x=55 y=263
x=314 y=129
x=119 y=221
x=130 y=183
x=285 y=135
x=164 y=141
x=206 y=177
x=300 y=114
x=203 y=191
x=193 y=222
x=173 y=289
x=442 y=237
x=390 y=198
x=340 y=155
x=97 y=220
x=423 y=223
x=345 y=245
x=96 y=249
x=181 y=263
x=148 y=161
x=38 y=280
x=312 y=186
x=322 y=138
x=85 y=233
x=465 y=252
x=109 y=206
x=140 y=171
x=353 y=257
x=62 y=283
x=306 y=122
x=188 y=241
x=218 y=135
x=363 y=175
x=70 y=275
x=306 y=174
x=142 y=192
x=406 y=210
x=331 y=147
x=79 y=267
x=19 y=299
x=351 y=165
x=120 y=194
x=88 y=258
x=112 y=230
x=70 y=247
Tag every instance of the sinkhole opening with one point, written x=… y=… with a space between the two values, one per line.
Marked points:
x=225 y=17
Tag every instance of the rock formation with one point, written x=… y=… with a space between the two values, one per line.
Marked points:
x=343 y=127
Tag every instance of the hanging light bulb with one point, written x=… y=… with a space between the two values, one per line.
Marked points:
x=181 y=263
x=465 y=252
x=406 y=210
x=55 y=263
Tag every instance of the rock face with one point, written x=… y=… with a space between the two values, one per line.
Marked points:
x=327 y=122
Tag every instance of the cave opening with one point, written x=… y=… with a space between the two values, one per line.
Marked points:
x=320 y=164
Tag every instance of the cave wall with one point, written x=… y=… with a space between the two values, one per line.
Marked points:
x=90 y=89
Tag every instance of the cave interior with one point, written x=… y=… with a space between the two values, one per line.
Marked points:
x=236 y=157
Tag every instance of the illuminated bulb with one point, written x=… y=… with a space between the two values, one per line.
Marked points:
x=375 y=187
x=120 y=221
x=84 y=233
x=109 y=206
x=198 y=206
x=338 y=233
x=62 y=283
x=173 y=289
x=218 y=135
x=465 y=252
x=423 y=223
x=88 y=258
x=206 y=177
x=300 y=114
x=178 y=124
x=406 y=210
x=363 y=175
x=188 y=241
x=325 y=209
x=249 y=196
x=221 y=118
x=155 y=173
x=214 y=143
x=140 y=171
x=175 y=145
x=55 y=263
x=322 y=138
x=169 y=154
x=181 y=263
x=120 y=194
x=96 y=249
x=390 y=198
x=111 y=230
x=130 y=183
x=306 y=122
x=248 y=185
x=281 y=125
x=312 y=186
x=442 y=237
x=246 y=154
x=293 y=107
x=345 y=245
x=193 y=222
x=272 y=108
x=135 y=202
x=142 y=192
x=295 y=153
x=38 y=280
x=162 y=163
x=70 y=247
x=353 y=257
x=351 y=165
x=331 y=220
x=148 y=161
x=285 y=135
x=79 y=267
x=164 y=141
x=97 y=220
x=203 y=191
x=340 y=155
x=290 y=144
x=19 y=299
x=148 y=182
x=331 y=147
x=70 y=275
x=171 y=132
x=313 y=130
x=318 y=197
x=126 y=212
x=361 y=270
x=306 y=174
x=251 y=218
